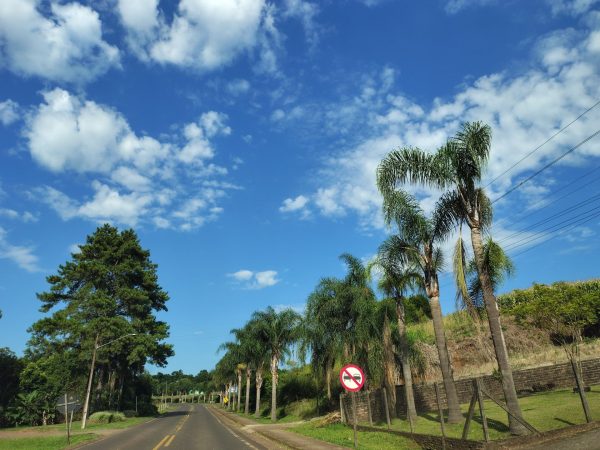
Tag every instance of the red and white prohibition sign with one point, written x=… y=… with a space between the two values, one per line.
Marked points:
x=352 y=378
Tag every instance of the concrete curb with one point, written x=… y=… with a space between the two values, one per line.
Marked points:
x=291 y=442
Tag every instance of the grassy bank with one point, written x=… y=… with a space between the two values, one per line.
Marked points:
x=53 y=437
x=545 y=411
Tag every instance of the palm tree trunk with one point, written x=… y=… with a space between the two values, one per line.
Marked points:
x=274 y=363
x=239 y=393
x=259 y=382
x=491 y=306
x=247 y=404
x=389 y=363
x=411 y=410
x=328 y=380
x=454 y=414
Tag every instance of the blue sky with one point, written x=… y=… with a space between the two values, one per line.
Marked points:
x=240 y=139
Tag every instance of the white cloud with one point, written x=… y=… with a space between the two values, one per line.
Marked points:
x=305 y=12
x=238 y=87
x=203 y=35
x=294 y=204
x=523 y=109
x=9 y=112
x=20 y=255
x=571 y=7
x=25 y=216
x=66 y=46
x=265 y=279
x=255 y=280
x=135 y=178
x=454 y=6
x=74 y=248
x=242 y=275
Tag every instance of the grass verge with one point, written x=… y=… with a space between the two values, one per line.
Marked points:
x=342 y=435
x=545 y=411
x=44 y=442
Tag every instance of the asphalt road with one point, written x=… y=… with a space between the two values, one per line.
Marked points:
x=190 y=427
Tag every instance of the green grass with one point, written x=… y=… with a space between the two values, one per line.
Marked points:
x=342 y=435
x=44 y=443
x=293 y=412
x=76 y=426
x=545 y=411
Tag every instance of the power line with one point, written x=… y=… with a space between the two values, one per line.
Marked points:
x=544 y=143
x=551 y=163
x=554 y=216
x=569 y=221
x=548 y=203
x=557 y=235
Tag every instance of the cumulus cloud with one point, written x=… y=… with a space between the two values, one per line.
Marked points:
x=202 y=35
x=23 y=256
x=9 y=112
x=523 y=109
x=66 y=46
x=255 y=280
x=134 y=178
x=294 y=204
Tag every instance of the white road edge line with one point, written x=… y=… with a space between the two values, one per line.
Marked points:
x=227 y=428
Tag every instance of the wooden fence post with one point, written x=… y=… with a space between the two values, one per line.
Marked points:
x=441 y=414
x=342 y=415
x=369 y=408
x=486 y=435
x=387 y=409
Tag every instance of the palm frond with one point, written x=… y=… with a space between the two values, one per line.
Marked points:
x=409 y=165
x=460 y=269
x=447 y=214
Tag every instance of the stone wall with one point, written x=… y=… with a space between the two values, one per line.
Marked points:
x=527 y=381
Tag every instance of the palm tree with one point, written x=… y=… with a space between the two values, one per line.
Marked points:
x=457 y=168
x=278 y=330
x=323 y=327
x=362 y=333
x=254 y=350
x=396 y=279
x=417 y=243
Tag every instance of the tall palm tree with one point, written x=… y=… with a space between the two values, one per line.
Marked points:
x=255 y=350
x=363 y=333
x=457 y=168
x=323 y=327
x=278 y=330
x=396 y=279
x=417 y=243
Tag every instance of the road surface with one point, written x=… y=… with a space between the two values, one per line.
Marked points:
x=190 y=427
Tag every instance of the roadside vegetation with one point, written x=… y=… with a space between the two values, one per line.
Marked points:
x=281 y=365
x=385 y=314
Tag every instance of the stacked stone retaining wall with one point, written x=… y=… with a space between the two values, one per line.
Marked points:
x=527 y=381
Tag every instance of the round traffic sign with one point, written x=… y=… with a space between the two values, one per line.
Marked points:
x=352 y=378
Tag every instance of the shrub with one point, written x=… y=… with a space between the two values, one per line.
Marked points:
x=107 y=417
x=130 y=413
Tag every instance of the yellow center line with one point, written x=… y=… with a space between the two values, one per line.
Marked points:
x=161 y=442
x=169 y=441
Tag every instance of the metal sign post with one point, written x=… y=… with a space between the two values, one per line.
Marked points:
x=65 y=405
x=352 y=378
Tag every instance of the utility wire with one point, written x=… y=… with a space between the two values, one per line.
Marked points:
x=545 y=203
x=551 y=163
x=556 y=235
x=541 y=233
x=544 y=143
x=554 y=216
